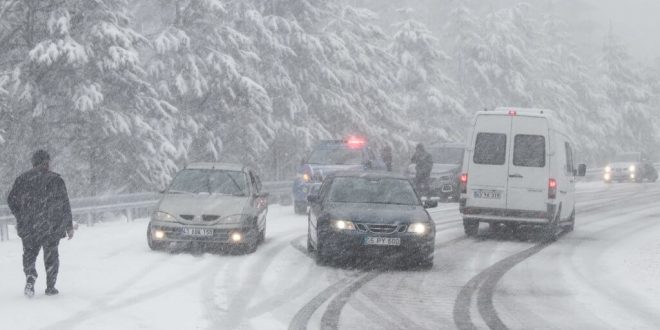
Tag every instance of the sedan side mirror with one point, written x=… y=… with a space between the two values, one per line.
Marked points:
x=430 y=203
x=582 y=170
x=313 y=198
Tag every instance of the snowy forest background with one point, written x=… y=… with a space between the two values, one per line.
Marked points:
x=125 y=93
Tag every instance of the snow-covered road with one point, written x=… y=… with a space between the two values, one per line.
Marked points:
x=602 y=275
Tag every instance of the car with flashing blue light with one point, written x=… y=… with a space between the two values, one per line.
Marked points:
x=327 y=157
x=212 y=205
x=370 y=214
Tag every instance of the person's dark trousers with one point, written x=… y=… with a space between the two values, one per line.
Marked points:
x=51 y=259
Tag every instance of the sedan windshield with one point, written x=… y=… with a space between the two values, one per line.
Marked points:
x=209 y=181
x=372 y=190
x=628 y=157
x=336 y=156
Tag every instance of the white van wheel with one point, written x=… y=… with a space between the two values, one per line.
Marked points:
x=471 y=227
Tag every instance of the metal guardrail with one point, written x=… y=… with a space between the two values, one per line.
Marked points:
x=87 y=210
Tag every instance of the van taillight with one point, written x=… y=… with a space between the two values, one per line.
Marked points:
x=464 y=179
x=552 y=189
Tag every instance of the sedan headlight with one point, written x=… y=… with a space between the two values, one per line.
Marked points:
x=162 y=216
x=418 y=228
x=343 y=225
x=608 y=169
x=234 y=218
x=632 y=168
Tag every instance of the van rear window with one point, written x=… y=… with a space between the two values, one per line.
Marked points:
x=490 y=149
x=529 y=150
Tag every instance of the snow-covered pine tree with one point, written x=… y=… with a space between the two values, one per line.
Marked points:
x=80 y=92
x=205 y=67
x=428 y=94
x=628 y=96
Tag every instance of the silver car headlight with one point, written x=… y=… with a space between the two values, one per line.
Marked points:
x=343 y=225
x=162 y=216
x=632 y=168
x=234 y=218
x=418 y=228
x=608 y=169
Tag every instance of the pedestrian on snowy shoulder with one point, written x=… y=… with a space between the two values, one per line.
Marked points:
x=386 y=155
x=40 y=203
x=423 y=165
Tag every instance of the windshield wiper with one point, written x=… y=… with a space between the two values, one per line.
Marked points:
x=236 y=184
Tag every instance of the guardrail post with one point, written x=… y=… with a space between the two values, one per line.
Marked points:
x=4 y=231
x=90 y=219
x=129 y=215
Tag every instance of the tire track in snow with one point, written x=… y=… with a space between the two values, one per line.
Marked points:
x=239 y=303
x=485 y=283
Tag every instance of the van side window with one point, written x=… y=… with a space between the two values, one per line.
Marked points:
x=570 y=167
x=529 y=150
x=490 y=149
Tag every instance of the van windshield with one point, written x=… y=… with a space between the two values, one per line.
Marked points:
x=628 y=157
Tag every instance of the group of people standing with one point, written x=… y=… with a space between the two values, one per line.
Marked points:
x=423 y=166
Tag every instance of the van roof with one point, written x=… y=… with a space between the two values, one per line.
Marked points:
x=530 y=112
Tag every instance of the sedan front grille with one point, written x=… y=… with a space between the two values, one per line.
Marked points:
x=382 y=229
x=210 y=217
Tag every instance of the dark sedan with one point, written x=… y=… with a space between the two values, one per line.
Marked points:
x=370 y=213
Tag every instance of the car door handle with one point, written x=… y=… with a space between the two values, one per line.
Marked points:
x=516 y=176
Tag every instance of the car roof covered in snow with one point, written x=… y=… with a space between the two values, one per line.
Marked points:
x=368 y=174
x=217 y=166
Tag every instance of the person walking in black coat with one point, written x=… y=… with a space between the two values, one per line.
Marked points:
x=40 y=203
x=423 y=166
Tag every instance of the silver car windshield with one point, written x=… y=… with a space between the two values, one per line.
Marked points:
x=628 y=157
x=446 y=155
x=209 y=181
x=336 y=156
x=370 y=190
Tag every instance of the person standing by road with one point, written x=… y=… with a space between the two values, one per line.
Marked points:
x=40 y=203
x=423 y=166
x=386 y=155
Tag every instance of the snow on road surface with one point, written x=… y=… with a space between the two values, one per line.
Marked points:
x=602 y=275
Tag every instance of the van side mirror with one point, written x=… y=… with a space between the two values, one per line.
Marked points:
x=430 y=203
x=582 y=170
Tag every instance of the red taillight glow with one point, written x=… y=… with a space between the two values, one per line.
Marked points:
x=552 y=189
x=464 y=180
x=355 y=142
x=512 y=112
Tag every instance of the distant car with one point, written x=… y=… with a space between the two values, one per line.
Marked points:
x=631 y=167
x=445 y=176
x=330 y=156
x=211 y=204
x=370 y=212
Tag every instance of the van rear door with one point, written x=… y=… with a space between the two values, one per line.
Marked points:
x=488 y=167
x=529 y=164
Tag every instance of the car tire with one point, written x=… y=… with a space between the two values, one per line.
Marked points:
x=299 y=207
x=154 y=246
x=571 y=224
x=310 y=247
x=552 y=230
x=262 y=234
x=322 y=257
x=252 y=241
x=471 y=227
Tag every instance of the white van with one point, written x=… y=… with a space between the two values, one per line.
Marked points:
x=518 y=169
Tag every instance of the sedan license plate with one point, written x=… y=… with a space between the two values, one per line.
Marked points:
x=198 y=231
x=387 y=241
x=487 y=194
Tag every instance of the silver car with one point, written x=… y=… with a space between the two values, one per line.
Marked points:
x=212 y=204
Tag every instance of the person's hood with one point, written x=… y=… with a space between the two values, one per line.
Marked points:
x=202 y=204
x=376 y=213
